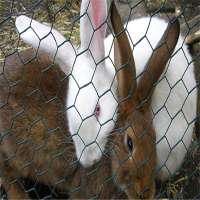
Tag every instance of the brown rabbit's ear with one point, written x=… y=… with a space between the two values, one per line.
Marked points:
x=158 y=60
x=123 y=57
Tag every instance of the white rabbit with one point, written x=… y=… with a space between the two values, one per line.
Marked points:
x=173 y=101
x=91 y=98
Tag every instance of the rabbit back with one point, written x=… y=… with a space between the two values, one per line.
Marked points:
x=33 y=126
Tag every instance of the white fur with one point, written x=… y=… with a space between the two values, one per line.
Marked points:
x=90 y=134
x=46 y=39
x=93 y=30
x=91 y=83
x=173 y=102
x=175 y=97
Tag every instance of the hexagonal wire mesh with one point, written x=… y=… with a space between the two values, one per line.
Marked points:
x=74 y=121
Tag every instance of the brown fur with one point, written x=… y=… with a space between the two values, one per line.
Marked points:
x=135 y=170
x=96 y=182
x=35 y=139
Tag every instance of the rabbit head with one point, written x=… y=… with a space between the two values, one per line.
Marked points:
x=134 y=141
x=91 y=101
x=91 y=104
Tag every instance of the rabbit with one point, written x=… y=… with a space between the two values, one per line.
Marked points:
x=174 y=98
x=92 y=97
x=35 y=139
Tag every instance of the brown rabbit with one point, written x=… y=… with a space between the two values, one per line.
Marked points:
x=134 y=154
x=35 y=141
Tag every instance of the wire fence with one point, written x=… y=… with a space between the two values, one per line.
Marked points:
x=89 y=109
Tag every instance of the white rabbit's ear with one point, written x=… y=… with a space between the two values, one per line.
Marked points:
x=46 y=39
x=93 y=27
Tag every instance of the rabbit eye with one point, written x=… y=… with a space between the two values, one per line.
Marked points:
x=97 y=110
x=129 y=143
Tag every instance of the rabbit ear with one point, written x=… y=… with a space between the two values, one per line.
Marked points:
x=158 y=60
x=46 y=39
x=124 y=60
x=93 y=27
